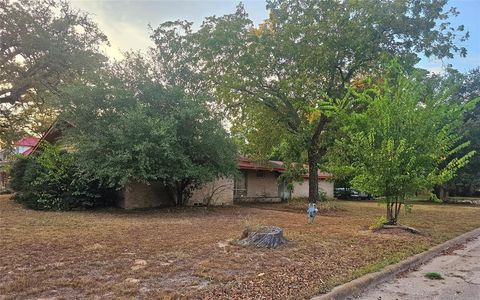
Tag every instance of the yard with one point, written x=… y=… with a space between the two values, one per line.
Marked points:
x=189 y=253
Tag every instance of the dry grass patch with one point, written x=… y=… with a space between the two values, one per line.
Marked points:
x=189 y=253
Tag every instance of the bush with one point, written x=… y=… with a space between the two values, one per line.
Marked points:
x=17 y=172
x=51 y=180
x=322 y=195
x=378 y=223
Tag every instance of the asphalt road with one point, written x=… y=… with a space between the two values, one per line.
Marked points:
x=460 y=270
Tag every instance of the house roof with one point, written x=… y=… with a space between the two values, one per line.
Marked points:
x=247 y=164
x=272 y=165
x=243 y=163
x=27 y=141
x=53 y=133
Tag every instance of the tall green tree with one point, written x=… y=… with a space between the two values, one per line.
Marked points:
x=463 y=87
x=405 y=141
x=129 y=128
x=467 y=183
x=43 y=45
x=289 y=72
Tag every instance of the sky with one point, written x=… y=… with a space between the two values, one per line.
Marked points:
x=126 y=22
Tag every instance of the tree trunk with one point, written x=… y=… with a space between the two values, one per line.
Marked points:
x=398 y=206
x=389 y=212
x=265 y=237
x=312 y=177
x=313 y=158
x=176 y=193
x=179 y=197
x=443 y=193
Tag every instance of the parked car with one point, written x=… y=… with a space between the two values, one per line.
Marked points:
x=351 y=194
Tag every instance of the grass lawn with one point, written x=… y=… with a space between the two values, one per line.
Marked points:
x=116 y=254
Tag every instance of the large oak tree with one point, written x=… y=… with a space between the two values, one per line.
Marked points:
x=43 y=45
x=282 y=80
x=129 y=128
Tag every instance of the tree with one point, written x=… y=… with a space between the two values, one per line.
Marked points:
x=43 y=45
x=129 y=128
x=26 y=119
x=291 y=70
x=404 y=142
x=468 y=180
x=463 y=88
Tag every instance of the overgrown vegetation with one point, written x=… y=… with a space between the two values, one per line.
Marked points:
x=51 y=180
x=281 y=81
x=467 y=183
x=130 y=128
x=403 y=142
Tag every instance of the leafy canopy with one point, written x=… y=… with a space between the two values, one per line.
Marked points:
x=468 y=180
x=296 y=63
x=404 y=141
x=281 y=81
x=43 y=45
x=127 y=127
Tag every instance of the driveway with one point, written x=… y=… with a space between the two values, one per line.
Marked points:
x=460 y=270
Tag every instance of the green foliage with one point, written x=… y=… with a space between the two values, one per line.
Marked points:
x=434 y=276
x=17 y=172
x=130 y=128
x=408 y=208
x=467 y=183
x=403 y=142
x=282 y=81
x=44 y=44
x=433 y=198
x=378 y=223
x=51 y=180
x=322 y=195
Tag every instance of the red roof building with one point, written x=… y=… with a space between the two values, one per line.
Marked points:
x=273 y=166
x=26 y=144
x=27 y=141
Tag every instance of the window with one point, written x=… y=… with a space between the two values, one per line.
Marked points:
x=240 y=185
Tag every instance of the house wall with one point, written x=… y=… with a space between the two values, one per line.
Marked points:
x=260 y=189
x=141 y=195
x=218 y=192
x=300 y=189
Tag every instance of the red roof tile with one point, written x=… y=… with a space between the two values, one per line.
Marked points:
x=27 y=141
x=272 y=165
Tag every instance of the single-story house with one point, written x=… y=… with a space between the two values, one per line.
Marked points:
x=255 y=182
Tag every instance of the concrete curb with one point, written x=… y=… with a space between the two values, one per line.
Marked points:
x=356 y=287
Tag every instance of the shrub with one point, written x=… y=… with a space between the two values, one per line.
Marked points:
x=17 y=172
x=51 y=180
x=378 y=223
x=322 y=195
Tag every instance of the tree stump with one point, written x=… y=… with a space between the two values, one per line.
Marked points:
x=264 y=237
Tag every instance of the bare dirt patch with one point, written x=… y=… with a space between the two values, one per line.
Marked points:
x=191 y=253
